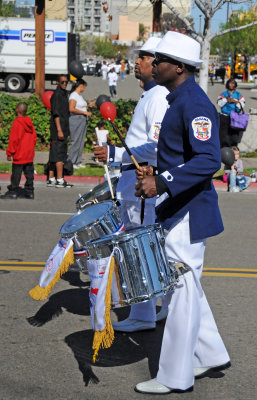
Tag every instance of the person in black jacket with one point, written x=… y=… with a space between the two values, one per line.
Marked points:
x=59 y=131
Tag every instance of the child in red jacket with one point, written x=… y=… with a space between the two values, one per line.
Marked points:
x=21 y=151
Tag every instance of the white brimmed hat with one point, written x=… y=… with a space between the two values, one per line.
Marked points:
x=180 y=47
x=149 y=46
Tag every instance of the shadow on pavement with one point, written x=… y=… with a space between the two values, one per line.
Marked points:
x=126 y=349
x=75 y=301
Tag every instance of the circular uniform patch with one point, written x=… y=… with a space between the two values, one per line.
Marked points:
x=202 y=128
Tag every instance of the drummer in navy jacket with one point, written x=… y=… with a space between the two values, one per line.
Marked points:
x=187 y=207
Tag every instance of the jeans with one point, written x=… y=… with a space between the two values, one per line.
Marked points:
x=232 y=178
x=112 y=90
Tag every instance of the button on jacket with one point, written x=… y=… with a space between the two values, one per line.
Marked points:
x=188 y=156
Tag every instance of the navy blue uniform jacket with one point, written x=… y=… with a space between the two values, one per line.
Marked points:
x=188 y=156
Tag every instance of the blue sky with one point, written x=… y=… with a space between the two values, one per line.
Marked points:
x=219 y=17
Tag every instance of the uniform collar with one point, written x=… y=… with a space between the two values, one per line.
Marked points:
x=180 y=89
x=149 y=85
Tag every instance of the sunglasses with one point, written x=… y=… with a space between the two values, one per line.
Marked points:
x=159 y=58
x=63 y=82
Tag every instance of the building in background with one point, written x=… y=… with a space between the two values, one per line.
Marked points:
x=56 y=9
x=118 y=19
x=142 y=11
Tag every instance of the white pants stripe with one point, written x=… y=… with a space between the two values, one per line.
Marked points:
x=191 y=338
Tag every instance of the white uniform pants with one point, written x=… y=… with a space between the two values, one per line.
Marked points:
x=130 y=213
x=191 y=338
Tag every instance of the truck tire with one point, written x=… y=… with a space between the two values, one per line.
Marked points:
x=15 y=83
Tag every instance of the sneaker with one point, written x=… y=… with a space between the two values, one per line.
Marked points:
x=29 y=195
x=64 y=184
x=9 y=195
x=50 y=183
x=77 y=166
x=235 y=190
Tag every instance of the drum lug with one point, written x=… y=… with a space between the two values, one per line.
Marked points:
x=77 y=244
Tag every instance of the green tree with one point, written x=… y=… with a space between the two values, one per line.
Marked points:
x=142 y=32
x=243 y=41
x=7 y=9
x=171 y=22
x=105 y=48
x=208 y=8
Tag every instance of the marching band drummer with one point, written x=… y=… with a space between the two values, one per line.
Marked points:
x=187 y=207
x=143 y=131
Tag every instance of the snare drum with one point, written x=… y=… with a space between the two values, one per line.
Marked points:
x=142 y=270
x=99 y=220
x=99 y=193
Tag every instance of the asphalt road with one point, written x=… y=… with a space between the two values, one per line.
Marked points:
x=50 y=357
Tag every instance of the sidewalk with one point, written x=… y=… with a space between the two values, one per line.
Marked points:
x=219 y=185
x=41 y=157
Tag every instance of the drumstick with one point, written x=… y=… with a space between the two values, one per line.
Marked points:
x=106 y=170
x=142 y=212
x=124 y=143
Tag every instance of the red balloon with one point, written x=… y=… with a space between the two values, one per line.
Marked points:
x=108 y=110
x=46 y=99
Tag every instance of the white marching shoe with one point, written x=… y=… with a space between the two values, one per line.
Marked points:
x=154 y=387
x=204 y=371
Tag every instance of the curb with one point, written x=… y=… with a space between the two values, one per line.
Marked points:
x=75 y=179
x=219 y=186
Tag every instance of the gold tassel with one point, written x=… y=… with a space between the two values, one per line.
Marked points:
x=104 y=339
x=40 y=293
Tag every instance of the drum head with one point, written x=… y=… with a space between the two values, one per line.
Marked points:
x=88 y=216
x=100 y=192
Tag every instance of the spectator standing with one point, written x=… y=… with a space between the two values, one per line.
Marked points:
x=122 y=70
x=112 y=81
x=21 y=151
x=77 y=122
x=59 y=132
x=229 y=100
x=98 y=67
x=212 y=73
x=237 y=181
x=228 y=71
x=104 y=70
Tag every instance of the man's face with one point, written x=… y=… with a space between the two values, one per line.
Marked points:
x=143 y=67
x=164 y=71
x=63 y=82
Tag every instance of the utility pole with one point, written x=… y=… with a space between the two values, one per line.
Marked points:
x=40 y=47
x=157 y=15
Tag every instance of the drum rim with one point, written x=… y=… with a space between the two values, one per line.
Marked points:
x=70 y=234
x=78 y=201
x=93 y=242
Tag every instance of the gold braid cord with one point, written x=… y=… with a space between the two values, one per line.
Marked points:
x=40 y=293
x=104 y=339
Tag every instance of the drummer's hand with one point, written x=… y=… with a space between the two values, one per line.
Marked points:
x=146 y=187
x=144 y=171
x=100 y=153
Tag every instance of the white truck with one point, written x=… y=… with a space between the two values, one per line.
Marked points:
x=17 y=51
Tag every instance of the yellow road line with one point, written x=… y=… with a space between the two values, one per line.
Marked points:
x=212 y=271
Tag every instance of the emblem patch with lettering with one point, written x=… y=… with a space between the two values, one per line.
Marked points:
x=202 y=128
